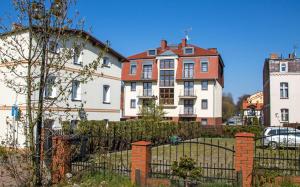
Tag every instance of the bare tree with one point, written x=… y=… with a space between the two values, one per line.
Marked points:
x=35 y=57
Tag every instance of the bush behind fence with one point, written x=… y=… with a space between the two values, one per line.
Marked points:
x=115 y=134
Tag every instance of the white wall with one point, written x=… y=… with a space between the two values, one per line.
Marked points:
x=292 y=103
x=91 y=93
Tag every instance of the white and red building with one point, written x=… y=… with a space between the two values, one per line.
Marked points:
x=186 y=80
x=253 y=107
x=281 y=77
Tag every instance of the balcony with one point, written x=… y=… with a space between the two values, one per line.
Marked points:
x=187 y=94
x=146 y=94
x=188 y=74
x=188 y=112
x=146 y=75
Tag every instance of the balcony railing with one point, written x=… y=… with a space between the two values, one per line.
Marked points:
x=188 y=74
x=187 y=93
x=188 y=111
x=146 y=94
x=146 y=75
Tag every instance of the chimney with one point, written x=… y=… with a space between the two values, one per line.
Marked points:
x=163 y=44
x=213 y=50
x=183 y=42
x=273 y=56
x=16 y=26
x=291 y=55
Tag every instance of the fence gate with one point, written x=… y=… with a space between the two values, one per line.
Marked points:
x=214 y=155
x=277 y=154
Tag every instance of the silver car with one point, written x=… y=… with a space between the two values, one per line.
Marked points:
x=275 y=137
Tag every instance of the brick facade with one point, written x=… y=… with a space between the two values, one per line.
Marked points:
x=141 y=158
x=244 y=156
x=61 y=163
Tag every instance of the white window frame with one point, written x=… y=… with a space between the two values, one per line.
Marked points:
x=202 y=87
x=133 y=90
x=131 y=102
x=77 y=58
x=106 y=94
x=284 y=90
x=106 y=59
x=201 y=65
x=184 y=50
x=133 y=64
x=53 y=49
x=284 y=114
x=50 y=88
x=202 y=101
x=284 y=65
x=155 y=53
x=76 y=93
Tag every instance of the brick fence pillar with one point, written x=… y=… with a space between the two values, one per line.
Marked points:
x=61 y=163
x=140 y=162
x=244 y=156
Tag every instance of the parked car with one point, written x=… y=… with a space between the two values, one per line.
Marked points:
x=275 y=137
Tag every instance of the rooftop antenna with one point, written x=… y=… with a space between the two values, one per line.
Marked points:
x=295 y=47
x=186 y=33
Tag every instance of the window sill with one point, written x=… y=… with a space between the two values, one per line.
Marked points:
x=105 y=66
x=77 y=64
x=106 y=102
x=284 y=98
x=76 y=100
x=50 y=98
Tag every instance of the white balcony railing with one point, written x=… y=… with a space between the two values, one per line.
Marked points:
x=187 y=93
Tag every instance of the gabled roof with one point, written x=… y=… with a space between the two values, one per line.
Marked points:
x=81 y=33
x=177 y=51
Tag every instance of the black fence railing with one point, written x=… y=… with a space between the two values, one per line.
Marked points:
x=214 y=156
x=277 y=153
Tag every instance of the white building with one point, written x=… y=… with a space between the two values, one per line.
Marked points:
x=186 y=80
x=99 y=98
x=281 y=90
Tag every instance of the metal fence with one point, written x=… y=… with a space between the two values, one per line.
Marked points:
x=100 y=154
x=215 y=157
x=277 y=153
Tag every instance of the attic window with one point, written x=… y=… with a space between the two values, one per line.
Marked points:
x=152 y=52
x=188 y=50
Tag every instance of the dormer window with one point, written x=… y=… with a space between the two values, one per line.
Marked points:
x=152 y=52
x=283 y=67
x=188 y=50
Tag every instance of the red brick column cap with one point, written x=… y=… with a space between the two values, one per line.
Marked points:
x=244 y=134
x=141 y=143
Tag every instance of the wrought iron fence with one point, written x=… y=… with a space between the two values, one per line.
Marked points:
x=214 y=156
x=277 y=153
x=100 y=154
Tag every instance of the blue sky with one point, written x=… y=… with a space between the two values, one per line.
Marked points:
x=245 y=32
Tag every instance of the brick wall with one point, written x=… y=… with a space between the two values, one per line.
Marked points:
x=244 y=156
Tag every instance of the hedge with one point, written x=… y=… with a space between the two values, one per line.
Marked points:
x=156 y=132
